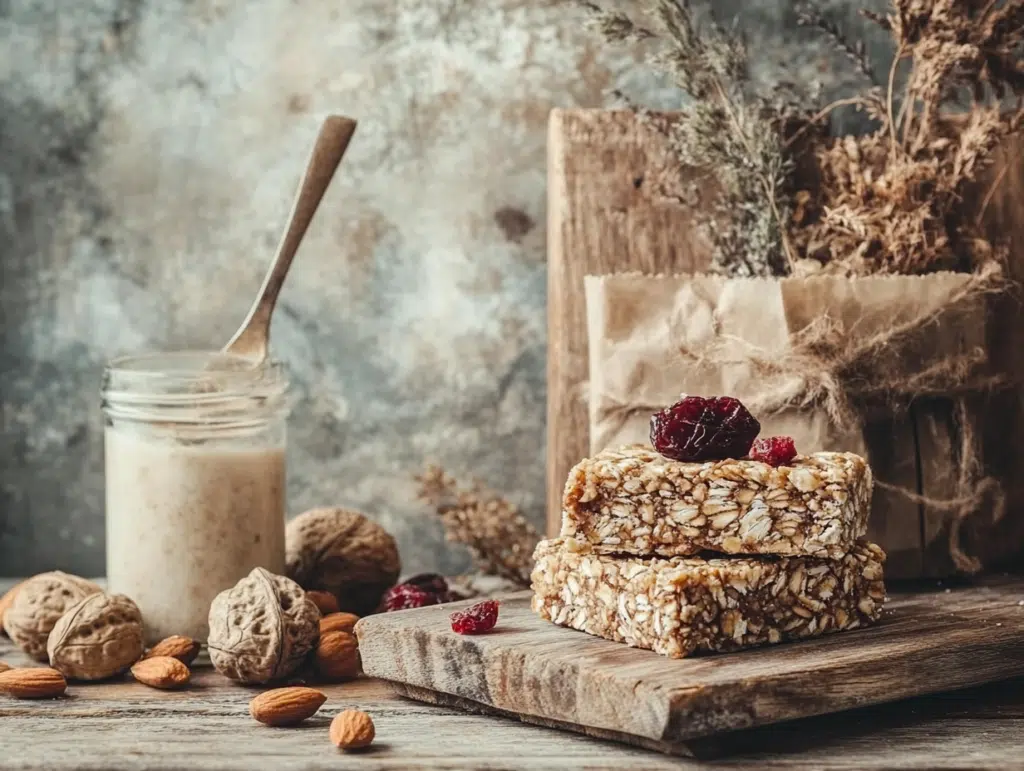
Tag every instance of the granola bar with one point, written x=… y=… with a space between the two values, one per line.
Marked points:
x=679 y=605
x=634 y=500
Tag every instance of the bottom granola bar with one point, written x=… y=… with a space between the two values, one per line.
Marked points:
x=679 y=605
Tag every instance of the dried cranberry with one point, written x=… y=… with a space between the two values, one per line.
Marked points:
x=477 y=619
x=696 y=429
x=405 y=596
x=429 y=582
x=774 y=450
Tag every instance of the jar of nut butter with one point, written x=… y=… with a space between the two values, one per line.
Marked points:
x=195 y=481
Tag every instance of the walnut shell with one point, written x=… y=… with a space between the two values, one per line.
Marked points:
x=5 y=603
x=342 y=552
x=98 y=638
x=262 y=628
x=38 y=604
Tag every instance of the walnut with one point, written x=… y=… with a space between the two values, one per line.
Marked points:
x=98 y=638
x=262 y=628
x=38 y=604
x=5 y=603
x=342 y=552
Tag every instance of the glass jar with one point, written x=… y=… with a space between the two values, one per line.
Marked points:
x=195 y=481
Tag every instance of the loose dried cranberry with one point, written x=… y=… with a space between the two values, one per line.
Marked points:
x=405 y=596
x=774 y=450
x=696 y=429
x=477 y=619
x=429 y=582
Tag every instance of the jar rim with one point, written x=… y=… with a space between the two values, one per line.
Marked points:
x=193 y=387
x=188 y=362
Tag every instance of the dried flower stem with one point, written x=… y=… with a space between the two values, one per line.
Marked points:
x=787 y=247
x=823 y=113
x=893 y=139
x=992 y=191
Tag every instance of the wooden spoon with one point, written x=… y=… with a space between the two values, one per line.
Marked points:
x=253 y=337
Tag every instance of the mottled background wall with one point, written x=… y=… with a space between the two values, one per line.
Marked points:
x=148 y=154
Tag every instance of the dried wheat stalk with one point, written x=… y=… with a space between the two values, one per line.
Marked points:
x=498 y=537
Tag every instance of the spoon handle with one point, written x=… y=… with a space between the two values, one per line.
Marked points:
x=252 y=338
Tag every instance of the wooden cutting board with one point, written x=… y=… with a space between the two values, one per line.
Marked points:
x=927 y=642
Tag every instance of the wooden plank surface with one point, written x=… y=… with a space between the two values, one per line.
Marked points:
x=610 y=209
x=122 y=725
x=926 y=642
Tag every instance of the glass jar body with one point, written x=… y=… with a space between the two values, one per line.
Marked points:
x=195 y=482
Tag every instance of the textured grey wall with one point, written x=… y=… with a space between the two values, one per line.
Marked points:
x=148 y=153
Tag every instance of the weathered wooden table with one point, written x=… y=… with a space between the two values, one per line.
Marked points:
x=124 y=725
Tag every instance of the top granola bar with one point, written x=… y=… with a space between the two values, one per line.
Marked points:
x=634 y=500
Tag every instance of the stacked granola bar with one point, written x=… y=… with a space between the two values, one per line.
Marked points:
x=715 y=555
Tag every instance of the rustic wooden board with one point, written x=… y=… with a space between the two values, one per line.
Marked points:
x=927 y=642
x=124 y=725
x=608 y=211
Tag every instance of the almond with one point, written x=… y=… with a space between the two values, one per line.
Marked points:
x=325 y=601
x=5 y=603
x=184 y=649
x=352 y=730
x=337 y=656
x=162 y=672
x=286 y=706
x=338 y=622
x=33 y=683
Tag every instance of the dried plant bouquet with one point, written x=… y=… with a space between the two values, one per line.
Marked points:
x=891 y=200
x=893 y=328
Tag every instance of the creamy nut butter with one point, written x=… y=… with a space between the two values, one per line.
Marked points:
x=195 y=481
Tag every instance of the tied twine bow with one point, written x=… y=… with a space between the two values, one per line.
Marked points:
x=841 y=373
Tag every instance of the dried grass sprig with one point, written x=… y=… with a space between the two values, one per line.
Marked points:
x=729 y=128
x=614 y=25
x=855 y=51
x=498 y=537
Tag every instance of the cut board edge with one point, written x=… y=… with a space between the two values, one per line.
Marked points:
x=442 y=699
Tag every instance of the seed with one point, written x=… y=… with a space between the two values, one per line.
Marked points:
x=723 y=520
